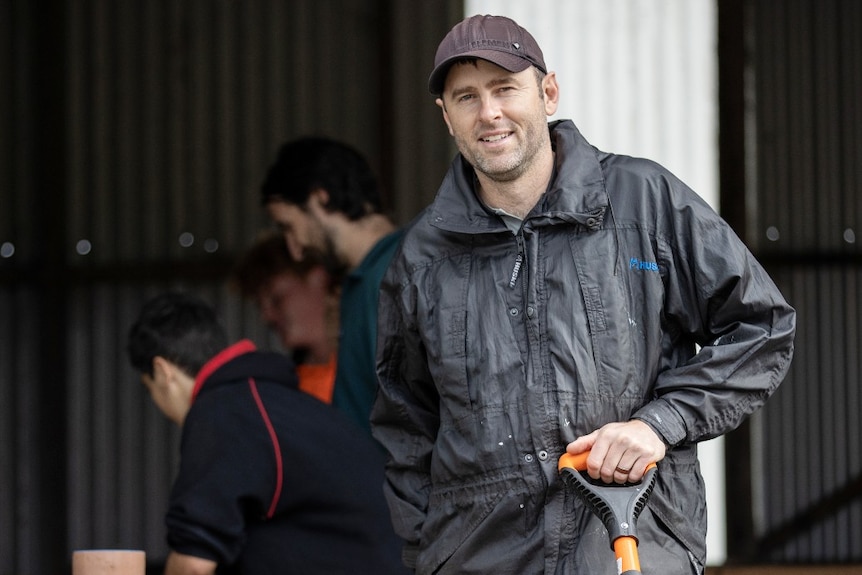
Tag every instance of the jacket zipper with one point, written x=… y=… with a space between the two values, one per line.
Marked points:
x=519 y=261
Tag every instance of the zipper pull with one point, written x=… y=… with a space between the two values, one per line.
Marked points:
x=516 y=270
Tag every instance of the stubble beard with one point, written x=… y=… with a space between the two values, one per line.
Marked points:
x=328 y=256
x=322 y=249
x=514 y=164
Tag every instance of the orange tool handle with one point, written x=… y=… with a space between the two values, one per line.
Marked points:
x=579 y=462
x=626 y=552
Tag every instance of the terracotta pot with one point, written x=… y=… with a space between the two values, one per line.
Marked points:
x=108 y=562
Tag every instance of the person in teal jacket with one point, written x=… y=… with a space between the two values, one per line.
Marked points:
x=324 y=197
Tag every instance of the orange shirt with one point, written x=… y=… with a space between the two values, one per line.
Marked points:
x=318 y=379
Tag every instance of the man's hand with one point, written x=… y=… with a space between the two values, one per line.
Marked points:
x=619 y=452
x=179 y=564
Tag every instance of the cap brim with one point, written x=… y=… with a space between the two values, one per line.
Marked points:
x=505 y=60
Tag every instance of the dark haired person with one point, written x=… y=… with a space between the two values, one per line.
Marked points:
x=324 y=197
x=271 y=480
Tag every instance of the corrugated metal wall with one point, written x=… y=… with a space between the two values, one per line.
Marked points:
x=805 y=119
x=639 y=77
x=133 y=138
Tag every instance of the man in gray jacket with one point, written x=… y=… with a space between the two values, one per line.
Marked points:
x=558 y=298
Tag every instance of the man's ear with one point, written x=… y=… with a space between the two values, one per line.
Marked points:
x=318 y=204
x=551 y=93
x=170 y=389
x=439 y=102
x=163 y=371
x=318 y=197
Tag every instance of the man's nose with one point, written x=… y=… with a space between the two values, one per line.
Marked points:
x=490 y=108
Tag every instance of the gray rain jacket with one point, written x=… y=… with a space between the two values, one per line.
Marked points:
x=495 y=350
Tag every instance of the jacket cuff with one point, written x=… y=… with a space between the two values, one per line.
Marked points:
x=664 y=420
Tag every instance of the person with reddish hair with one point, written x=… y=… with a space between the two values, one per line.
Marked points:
x=298 y=301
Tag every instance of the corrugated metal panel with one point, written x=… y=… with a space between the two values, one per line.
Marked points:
x=417 y=123
x=19 y=359
x=8 y=303
x=810 y=507
x=171 y=112
x=806 y=58
x=31 y=454
x=639 y=77
x=142 y=173
x=176 y=109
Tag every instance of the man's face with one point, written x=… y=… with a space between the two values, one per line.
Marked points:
x=301 y=229
x=296 y=308
x=498 y=118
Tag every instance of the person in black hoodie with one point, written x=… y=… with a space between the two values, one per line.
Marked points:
x=271 y=480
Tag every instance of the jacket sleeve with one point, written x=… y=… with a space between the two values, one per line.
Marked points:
x=719 y=296
x=225 y=477
x=405 y=417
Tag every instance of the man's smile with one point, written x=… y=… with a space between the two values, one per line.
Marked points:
x=495 y=138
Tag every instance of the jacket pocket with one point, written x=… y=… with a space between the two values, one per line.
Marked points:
x=678 y=502
x=452 y=518
x=462 y=533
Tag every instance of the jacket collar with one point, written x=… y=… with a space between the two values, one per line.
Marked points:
x=223 y=357
x=576 y=193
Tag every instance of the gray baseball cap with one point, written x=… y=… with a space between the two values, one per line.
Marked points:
x=497 y=39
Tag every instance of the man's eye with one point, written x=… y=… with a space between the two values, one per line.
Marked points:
x=465 y=98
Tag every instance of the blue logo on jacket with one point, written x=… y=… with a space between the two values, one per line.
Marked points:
x=636 y=264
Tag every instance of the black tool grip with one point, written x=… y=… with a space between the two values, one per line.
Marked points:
x=617 y=505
